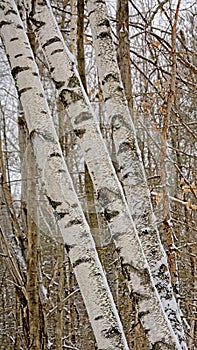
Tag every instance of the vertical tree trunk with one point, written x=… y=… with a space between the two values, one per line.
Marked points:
x=123 y=49
x=30 y=210
x=35 y=334
x=80 y=43
x=109 y=191
x=60 y=297
x=73 y=27
x=128 y=157
x=62 y=200
x=168 y=231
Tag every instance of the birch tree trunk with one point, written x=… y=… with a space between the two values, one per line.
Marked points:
x=57 y=184
x=109 y=191
x=130 y=166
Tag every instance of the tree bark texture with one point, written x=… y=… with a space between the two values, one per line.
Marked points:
x=127 y=156
x=109 y=191
x=62 y=200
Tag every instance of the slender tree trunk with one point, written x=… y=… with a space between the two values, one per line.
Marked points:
x=30 y=209
x=127 y=156
x=168 y=230
x=60 y=304
x=123 y=50
x=109 y=190
x=80 y=43
x=35 y=337
x=62 y=200
x=73 y=27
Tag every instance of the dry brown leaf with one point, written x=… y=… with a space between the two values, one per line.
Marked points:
x=158 y=197
x=156 y=44
x=188 y=204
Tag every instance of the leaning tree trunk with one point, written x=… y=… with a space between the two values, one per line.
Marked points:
x=127 y=156
x=109 y=191
x=57 y=184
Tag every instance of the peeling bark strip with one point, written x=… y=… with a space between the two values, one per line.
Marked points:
x=109 y=190
x=59 y=189
x=130 y=165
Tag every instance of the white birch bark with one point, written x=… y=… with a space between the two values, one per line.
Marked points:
x=130 y=166
x=109 y=190
x=57 y=184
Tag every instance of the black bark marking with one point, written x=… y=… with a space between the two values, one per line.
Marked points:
x=100 y=2
x=125 y=270
x=91 y=12
x=51 y=41
x=41 y=3
x=126 y=146
x=10 y=11
x=14 y=39
x=105 y=22
x=73 y=82
x=30 y=58
x=4 y=23
x=110 y=214
x=37 y=24
x=98 y=318
x=18 y=55
x=82 y=117
x=117 y=121
x=161 y=345
x=88 y=149
x=53 y=203
x=118 y=89
x=125 y=176
x=60 y=215
x=74 y=205
x=32 y=134
x=111 y=77
x=67 y=247
x=143 y=313
x=48 y=138
x=104 y=35
x=81 y=261
x=19 y=26
x=69 y=96
x=56 y=51
x=145 y=231
x=16 y=70
x=76 y=221
x=109 y=333
x=59 y=84
x=35 y=74
x=61 y=171
x=55 y=154
x=79 y=132
x=20 y=92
